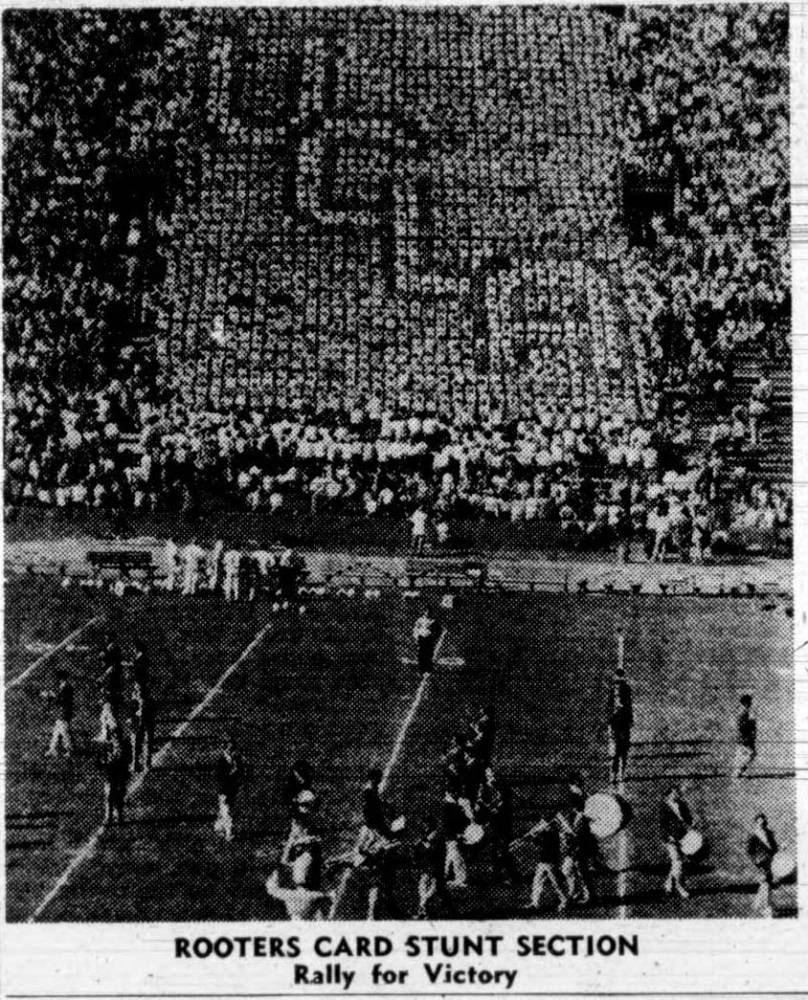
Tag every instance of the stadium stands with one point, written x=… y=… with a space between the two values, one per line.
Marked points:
x=502 y=262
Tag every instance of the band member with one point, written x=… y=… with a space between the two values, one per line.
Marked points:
x=620 y=722
x=482 y=732
x=142 y=714
x=454 y=762
x=675 y=820
x=545 y=839
x=573 y=830
x=375 y=834
x=494 y=809
x=114 y=763
x=63 y=700
x=141 y=665
x=299 y=779
x=382 y=867
x=576 y=796
x=426 y=632
x=430 y=853
x=761 y=848
x=746 y=744
x=455 y=821
x=230 y=774
x=111 y=678
x=305 y=898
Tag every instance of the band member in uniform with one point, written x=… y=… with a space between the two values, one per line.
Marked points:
x=114 y=762
x=494 y=809
x=305 y=898
x=482 y=731
x=761 y=848
x=141 y=666
x=455 y=821
x=230 y=773
x=426 y=632
x=299 y=779
x=746 y=745
x=544 y=837
x=375 y=834
x=142 y=715
x=63 y=700
x=620 y=722
x=675 y=819
x=430 y=853
x=572 y=831
x=576 y=796
x=111 y=678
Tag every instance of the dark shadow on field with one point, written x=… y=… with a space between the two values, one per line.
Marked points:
x=40 y=815
x=28 y=845
x=171 y=819
x=674 y=776
x=725 y=888
x=660 y=742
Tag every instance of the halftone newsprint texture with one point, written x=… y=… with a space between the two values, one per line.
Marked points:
x=400 y=506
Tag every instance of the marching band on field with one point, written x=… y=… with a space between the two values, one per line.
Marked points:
x=475 y=815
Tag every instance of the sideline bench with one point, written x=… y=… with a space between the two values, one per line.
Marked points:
x=124 y=562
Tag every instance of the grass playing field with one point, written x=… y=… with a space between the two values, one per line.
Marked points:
x=331 y=686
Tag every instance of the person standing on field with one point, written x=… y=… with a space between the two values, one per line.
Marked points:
x=63 y=701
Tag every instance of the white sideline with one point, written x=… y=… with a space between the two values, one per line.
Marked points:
x=391 y=763
x=88 y=848
x=51 y=652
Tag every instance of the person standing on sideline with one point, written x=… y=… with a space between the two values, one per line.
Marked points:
x=229 y=779
x=192 y=556
x=746 y=736
x=761 y=848
x=231 y=568
x=63 y=698
x=418 y=522
x=544 y=837
x=114 y=762
x=426 y=632
x=675 y=819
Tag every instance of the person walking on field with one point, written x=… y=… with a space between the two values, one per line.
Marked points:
x=761 y=848
x=675 y=820
x=142 y=717
x=746 y=745
x=229 y=779
x=545 y=839
x=63 y=699
x=620 y=715
x=114 y=762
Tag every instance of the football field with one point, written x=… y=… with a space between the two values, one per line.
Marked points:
x=335 y=686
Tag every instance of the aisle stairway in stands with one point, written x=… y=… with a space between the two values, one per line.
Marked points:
x=772 y=458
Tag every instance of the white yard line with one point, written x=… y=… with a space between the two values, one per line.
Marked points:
x=391 y=763
x=622 y=863
x=88 y=848
x=51 y=652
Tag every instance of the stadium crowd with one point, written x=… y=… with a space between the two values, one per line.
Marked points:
x=97 y=162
